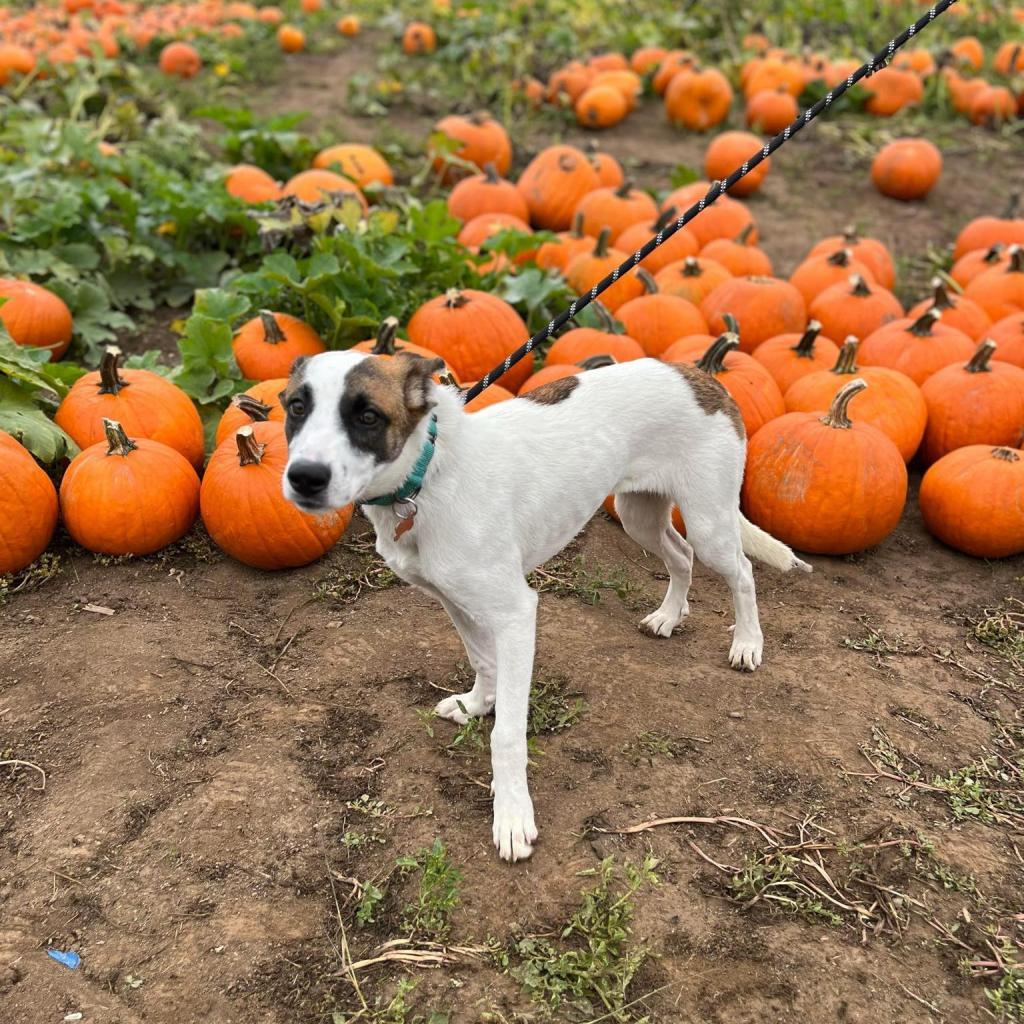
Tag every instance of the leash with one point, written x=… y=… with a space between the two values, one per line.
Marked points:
x=719 y=188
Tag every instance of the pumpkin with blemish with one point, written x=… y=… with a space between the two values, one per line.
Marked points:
x=763 y=306
x=28 y=507
x=616 y=209
x=269 y=343
x=553 y=184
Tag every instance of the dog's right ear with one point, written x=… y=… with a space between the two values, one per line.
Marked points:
x=417 y=373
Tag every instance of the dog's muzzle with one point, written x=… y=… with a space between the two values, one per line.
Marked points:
x=309 y=480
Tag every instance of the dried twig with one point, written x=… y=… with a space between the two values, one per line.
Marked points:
x=15 y=763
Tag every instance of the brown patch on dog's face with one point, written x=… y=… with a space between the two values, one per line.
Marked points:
x=384 y=400
x=554 y=392
x=711 y=396
x=295 y=399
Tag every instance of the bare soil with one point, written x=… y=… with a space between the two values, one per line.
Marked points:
x=212 y=747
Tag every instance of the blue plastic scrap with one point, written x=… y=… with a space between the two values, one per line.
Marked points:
x=69 y=959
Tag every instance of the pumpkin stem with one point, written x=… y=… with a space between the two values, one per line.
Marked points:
x=837 y=415
x=941 y=299
x=732 y=325
x=804 y=348
x=596 y=362
x=650 y=285
x=118 y=442
x=454 y=299
x=692 y=267
x=1006 y=454
x=491 y=174
x=664 y=218
x=922 y=326
x=385 y=343
x=850 y=236
x=567 y=163
x=1013 y=205
x=979 y=361
x=111 y=382
x=713 y=360
x=479 y=117
x=846 y=363
x=624 y=189
x=601 y=246
x=250 y=451
x=1016 y=264
x=840 y=258
x=272 y=333
x=743 y=238
x=994 y=253
x=576 y=231
x=607 y=321
x=256 y=410
x=859 y=287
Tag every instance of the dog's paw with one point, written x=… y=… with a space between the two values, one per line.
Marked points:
x=746 y=654
x=462 y=707
x=661 y=623
x=514 y=828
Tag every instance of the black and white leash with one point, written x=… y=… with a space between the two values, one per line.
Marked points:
x=718 y=189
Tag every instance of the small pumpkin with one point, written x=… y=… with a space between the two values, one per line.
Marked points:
x=869 y=251
x=556 y=254
x=260 y=403
x=35 y=316
x=582 y=343
x=854 y=307
x=825 y=484
x=553 y=184
x=601 y=106
x=609 y=170
x=738 y=255
x=479 y=139
x=958 y=312
x=144 y=403
x=823 y=270
x=589 y=268
x=891 y=90
x=674 y=248
x=771 y=110
x=291 y=39
x=917 y=347
x=28 y=507
x=486 y=193
x=892 y=402
x=418 y=39
x=268 y=344
x=973 y=500
x=985 y=232
x=980 y=402
x=180 y=60
x=725 y=218
x=348 y=25
x=657 y=320
x=906 y=169
x=1000 y=292
x=698 y=99
x=616 y=209
x=318 y=186
x=363 y=164
x=251 y=184
x=974 y=263
x=692 y=279
x=763 y=306
x=1008 y=334
x=788 y=357
x=992 y=105
x=126 y=496
x=731 y=150
x=646 y=59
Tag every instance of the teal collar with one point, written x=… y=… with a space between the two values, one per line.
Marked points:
x=414 y=481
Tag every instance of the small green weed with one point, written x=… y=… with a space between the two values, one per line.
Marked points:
x=395 y=1011
x=46 y=567
x=428 y=915
x=774 y=878
x=1002 y=630
x=1007 y=1000
x=650 y=746
x=347 y=586
x=567 y=576
x=553 y=708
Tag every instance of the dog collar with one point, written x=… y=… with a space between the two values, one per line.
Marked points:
x=414 y=481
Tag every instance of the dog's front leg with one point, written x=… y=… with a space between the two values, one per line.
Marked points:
x=479 y=644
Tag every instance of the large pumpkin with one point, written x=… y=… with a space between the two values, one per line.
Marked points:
x=1000 y=292
x=267 y=345
x=28 y=507
x=128 y=497
x=854 y=307
x=363 y=164
x=957 y=311
x=788 y=357
x=1008 y=334
x=245 y=511
x=731 y=150
x=973 y=500
x=906 y=168
x=473 y=332
x=825 y=484
x=918 y=347
x=251 y=184
x=698 y=99
x=763 y=306
x=553 y=184
x=34 y=316
x=144 y=403
x=657 y=320
x=616 y=209
x=584 y=343
x=485 y=194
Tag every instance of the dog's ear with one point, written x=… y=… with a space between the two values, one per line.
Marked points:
x=417 y=375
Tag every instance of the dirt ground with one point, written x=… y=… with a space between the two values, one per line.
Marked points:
x=229 y=756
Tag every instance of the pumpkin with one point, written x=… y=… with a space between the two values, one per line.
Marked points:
x=252 y=184
x=609 y=62
x=556 y=371
x=969 y=52
x=493 y=395
x=601 y=106
x=689 y=348
x=692 y=279
x=318 y=186
x=738 y=255
x=480 y=141
x=725 y=218
x=35 y=316
x=906 y=168
x=657 y=320
x=387 y=343
x=958 y=312
x=825 y=484
x=674 y=62
x=609 y=170
x=869 y=251
x=677 y=519
x=268 y=344
x=530 y=89
x=646 y=59
x=1009 y=58
x=28 y=507
x=977 y=261
x=616 y=209
x=1008 y=334
x=698 y=100
x=750 y=384
x=854 y=307
x=674 y=248
x=566 y=85
x=16 y=59
x=472 y=332
x=731 y=150
x=788 y=357
x=985 y=232
x=126 y=496
x=260 y=403
x=554 y=255
x=553 y=184
x=763 y=306
x=1000 y=292
x=819 y=272
x=980 y=402
x=348 y=25
x=973 y=500
x=917 y=347
x=587 y=269
x=582 y=343
x=891 y=90
x=918 y=60
x=892 y=402
x=476 y=231
x=417 y=39
x=992 y=105
x=486 y=193
x=245 y=511
x=363 y=164
x=772 y=73
x=771 y=110
x=144 y=403
x=180 y=60
x=291 y=39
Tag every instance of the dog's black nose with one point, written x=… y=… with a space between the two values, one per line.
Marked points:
x=309 y=479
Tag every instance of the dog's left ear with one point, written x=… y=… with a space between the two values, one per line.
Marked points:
x=418 y=373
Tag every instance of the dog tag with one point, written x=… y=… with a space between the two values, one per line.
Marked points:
x=404 y=526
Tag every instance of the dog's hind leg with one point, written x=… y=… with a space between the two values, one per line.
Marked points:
x=647 y=519
x=479 y=644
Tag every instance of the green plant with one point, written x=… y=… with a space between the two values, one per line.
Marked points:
x=428 y=914
x=553 y=708
x=48 y=566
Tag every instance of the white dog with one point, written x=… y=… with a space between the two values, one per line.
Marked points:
x=466 y=516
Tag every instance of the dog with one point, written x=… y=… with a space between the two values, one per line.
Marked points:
x=466 y=505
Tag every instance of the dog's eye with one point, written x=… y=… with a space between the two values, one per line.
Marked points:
x=297 y=407
x=368 y=418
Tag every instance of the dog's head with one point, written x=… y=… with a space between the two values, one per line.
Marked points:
x=349 y=420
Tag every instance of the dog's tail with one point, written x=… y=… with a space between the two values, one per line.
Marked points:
x=765 y=548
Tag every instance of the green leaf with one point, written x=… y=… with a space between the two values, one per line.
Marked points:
x=29 y=367
x=683 y=175
x=25 y=421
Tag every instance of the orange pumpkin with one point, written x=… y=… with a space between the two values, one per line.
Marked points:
x=771 y=110
x=15 y=59
x=35 y=316
x=486 y=193
x=854 y=307
x=698 y=100
x=825 y=484
x=291 y=39
x=673 y=249
x=252 y=184
x=774 y=72
x=985 y=232
x=992 y=105
x=892 y=402
x=387 y=343
x=1009 y=58
x=316 y=186
x=891 y=90
x=763 y=307
x=973 y=500
x=977 y=261
x=731 y=150
x=476 y=231
x=28 y=507
x=418 y=39
x=907 y=168
x=869 y=251
x=609 y=170
x=646 y=59
x=819 y=272
x=363 y=164
x=261 y=402
x=981 y=402
x=958 y=312
x=969 y=52
x=180 y=60
x=473 y=332
x=144 y=403
x=1008 y=334
x=583 y=343
x=566 y=85
x=589 y=268
x=348 y=25
x=725 y=218
x=547 y=374
x=616 y=209
x=601 y=106
x=692 y=279
x=1000 y=292
x=128 y=496
x=556 y=254
x=267 y=345
x=553 y=184
x=493 y=395
x=657 y=320
x=674 y=62
x=738 y=255
x=788 y=357
x=478 y=139
x=918 y=347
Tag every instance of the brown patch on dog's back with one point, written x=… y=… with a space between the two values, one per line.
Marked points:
x=710 y=395
x=554 y=392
